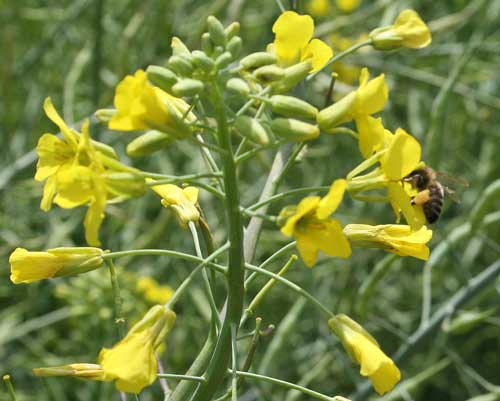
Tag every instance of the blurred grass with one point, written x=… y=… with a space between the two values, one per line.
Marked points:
x=447 y=95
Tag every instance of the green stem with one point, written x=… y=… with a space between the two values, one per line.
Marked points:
x=10 y=387
x=339 y=56
x=299 y=290
x=181 y=377
x=344 y=130
x=283 y=383
x=252 y=152
x=118 y=301
x=234 y=363
x=235 y=274
x=284 y=195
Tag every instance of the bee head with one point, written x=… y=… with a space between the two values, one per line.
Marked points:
x=419 y=179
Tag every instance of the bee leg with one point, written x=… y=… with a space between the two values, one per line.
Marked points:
x=421 y=198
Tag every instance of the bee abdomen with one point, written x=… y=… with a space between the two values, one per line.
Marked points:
x=432 y=209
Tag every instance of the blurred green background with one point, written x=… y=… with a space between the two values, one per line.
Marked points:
x=446 y=95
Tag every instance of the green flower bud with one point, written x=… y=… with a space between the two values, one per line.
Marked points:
x=238 y=86
x=181 y=65
x=256 y=60
x=151 y=141
x=294 y=130
x=337 y=113
x=104 y=115
x=232 y=30
x=385 y=39
x=122 y=185
x=216 y=30
x=269 y=73
x=206 y=43
x=187 y=87
x=234 y=46
x=466 y=321
x=223 y=60
x=290 y=106
x=252 y=129
x=179 y=48
x=202 y=61
x=161 y=77
x=293 y=75
x=218 y=50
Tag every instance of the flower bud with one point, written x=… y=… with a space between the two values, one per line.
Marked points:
x=161 y=77
x=238 y=86
x=252 y=129
x=202 y=61
x=290 y=106
x=234 y=46
x=294 y=130
x=150 y=142
x=104 y=115
x=269 y=73
x=124 y=185
x=232 y=30
x=179 y=48
x=223 y=60
x=466 y=321
x=187 y=87
x=180 y=65
x=285 y=213
x=89 y=371
x=216 y=30
x=206 y=43
x=293 y=75
x=27 y=267
x=259 y=59
x=218 y=50
x=335 y=114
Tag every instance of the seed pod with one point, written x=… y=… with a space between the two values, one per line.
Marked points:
x=223 y=60
x=151 y=141
x=269 y=73
x=337 y=113
x=234 y=46
x=206 y=43
x=293 y=75
x=238 y=86
x=187 y=87
x=202 y=61
x=216 y=30
x=256 y=60
x=161 y=77
x=252 y=129
x=181 y=65
x=294 y=130
x=290 y=106
x=232 y=30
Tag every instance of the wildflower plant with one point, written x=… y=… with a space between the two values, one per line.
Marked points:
x=186 y=99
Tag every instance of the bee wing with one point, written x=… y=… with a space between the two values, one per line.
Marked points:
x=451 y=194
x=447 y=179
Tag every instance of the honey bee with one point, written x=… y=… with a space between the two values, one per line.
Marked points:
x=431 y=191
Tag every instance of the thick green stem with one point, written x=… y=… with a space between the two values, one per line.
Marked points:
x=235 y=274
x=119 y=319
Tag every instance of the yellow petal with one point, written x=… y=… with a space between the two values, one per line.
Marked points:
x=293 y=33
x=402 y=157
x=27 y=267
x=51 y=112
x=52 y=153
x=308 y=249
x=319 y=53
x=75 y=186
x=49 y=191
x=412 y=29
x=347 y=6
x=371 y=135
x=332 y=200
x=192 y=194
x=95 y=213
x=306 y=205
x=372 y=95
x=400 y=200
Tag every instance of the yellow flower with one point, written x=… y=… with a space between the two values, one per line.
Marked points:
x=347 y=6
x=132 y=362
x=293 y=44
x=368 y=99
x=26 y=266
x=142 y=106
x=318 y=8
x=314 y=230
x=407 y=31
x=398 y=239
x=152 y=291
x=89 y=371
x=181 y=200
x=365 y=351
